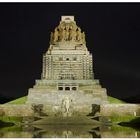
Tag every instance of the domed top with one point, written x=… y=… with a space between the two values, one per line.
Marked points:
x=67 y=30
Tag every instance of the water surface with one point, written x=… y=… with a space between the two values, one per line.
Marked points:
x=69 y=131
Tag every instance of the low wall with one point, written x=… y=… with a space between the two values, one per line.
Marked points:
x=105 y=109
x=27 y=110
x=16 y=110
x=120 y=109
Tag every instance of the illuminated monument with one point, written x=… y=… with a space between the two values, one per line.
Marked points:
x=67 y=83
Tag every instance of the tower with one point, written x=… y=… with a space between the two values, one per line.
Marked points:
x=67 y=73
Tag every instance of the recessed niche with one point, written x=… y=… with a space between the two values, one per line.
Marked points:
x=67 y=88
x=74 y=88
x=60 y=88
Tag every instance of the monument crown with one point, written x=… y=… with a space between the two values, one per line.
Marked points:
x=66 y=31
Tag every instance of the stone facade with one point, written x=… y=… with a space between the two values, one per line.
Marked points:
x=67 y=74
x=120 y=109
x=16 y=110
x=51 y=110
x=54 y=110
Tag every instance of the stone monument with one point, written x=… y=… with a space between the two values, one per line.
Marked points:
x=67 y=82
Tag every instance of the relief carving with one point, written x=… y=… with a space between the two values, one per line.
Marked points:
x=67 y=32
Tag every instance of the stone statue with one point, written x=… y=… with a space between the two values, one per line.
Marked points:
x=83 y=37
x=62 y=25
x=66 y=105
x=37 y=109
x=62 y=34
x=71 y=27
x=74 y=26
x=72 y=34
x=56 y=33
x=67 y=27
x=78 y=36
x=67 y=34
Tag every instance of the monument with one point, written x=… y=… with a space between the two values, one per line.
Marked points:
x=67 y=82
x=67 y=92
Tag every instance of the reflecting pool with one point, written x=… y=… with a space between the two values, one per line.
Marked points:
x=69 y=131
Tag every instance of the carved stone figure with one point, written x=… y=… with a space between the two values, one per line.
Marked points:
x=62 y=34
x=83 y=37
x=67 y=34
x=73 y=34
x=62 y=25
x=78 y=37
x=37 y=108
x=71 y=26
x=95 y=109
x=56 y=35
x=74 y=26
x=67 y=27
x=66 y=105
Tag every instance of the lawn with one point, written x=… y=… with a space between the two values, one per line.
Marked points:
x=21 y=100
x=113 y=100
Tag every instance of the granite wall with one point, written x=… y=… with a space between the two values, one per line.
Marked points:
x=27 y=110
x=15 y=110
x=120 y=109
x=105 y=109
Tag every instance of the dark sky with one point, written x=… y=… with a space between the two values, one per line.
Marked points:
x=112 y=35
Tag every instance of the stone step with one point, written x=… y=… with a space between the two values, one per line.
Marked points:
x=60 y=120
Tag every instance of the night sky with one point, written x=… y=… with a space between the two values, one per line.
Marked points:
x=112 y=35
